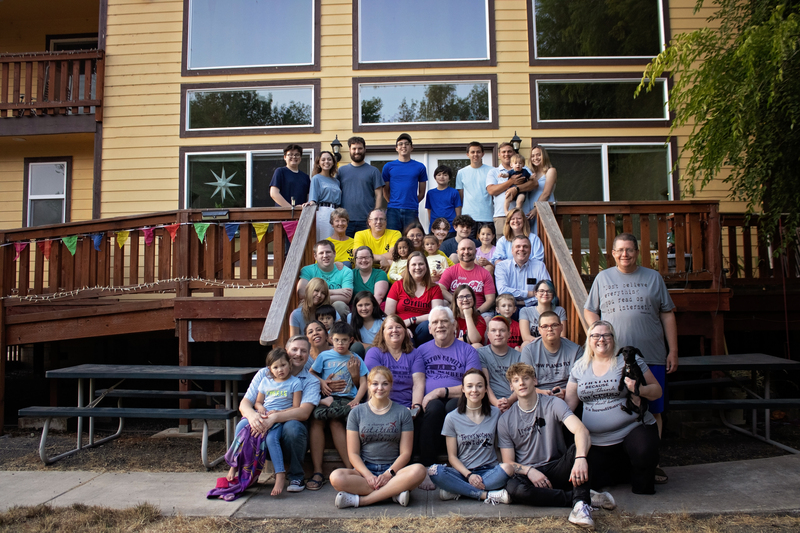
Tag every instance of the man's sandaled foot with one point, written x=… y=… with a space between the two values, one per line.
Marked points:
x=316 y=481
x=661 y=477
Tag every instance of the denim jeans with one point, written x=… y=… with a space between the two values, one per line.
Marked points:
x=355 y=225
x=274 y=447
x=400 y=218
x=421 y=334
x=294 y=441
x=377 y=469
x=451 y=480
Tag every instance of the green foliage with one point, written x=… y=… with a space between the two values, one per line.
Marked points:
x=737 y=87
x=371 y=110
x=240 y=109
x=441 y=103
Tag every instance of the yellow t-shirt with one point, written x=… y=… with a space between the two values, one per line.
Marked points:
x=378 y=246
x=344 y=250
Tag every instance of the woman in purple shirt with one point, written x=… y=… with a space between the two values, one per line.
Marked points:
x=394 y=350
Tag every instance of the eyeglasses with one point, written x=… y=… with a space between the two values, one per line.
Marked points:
x=340 y=341
x=544 y=292
x=464 y=297
x=629 y=251
x=404 y=143
x=548 y=327
x=381 y=220
x=294 y=156
x=598 y=336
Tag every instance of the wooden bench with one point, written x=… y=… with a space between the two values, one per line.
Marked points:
x=734 y=403
x=163 y=394
x=48 y=413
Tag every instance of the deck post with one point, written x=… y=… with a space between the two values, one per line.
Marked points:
x=182 y=326
x=3 y=344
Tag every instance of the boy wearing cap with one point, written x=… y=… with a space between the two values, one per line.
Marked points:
x=403 y=177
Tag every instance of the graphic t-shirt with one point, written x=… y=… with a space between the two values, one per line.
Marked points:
x=552 y=369
x=416 y=306
x=330 y=363
x=380 y=434
x=498 y=365
x=475 y=441
x=344 y=250
x=461 y=329
x=445 y=367
x=478 y=279
x=531 y=314
x=278 y=395
x=309 y=383
x=536 y=437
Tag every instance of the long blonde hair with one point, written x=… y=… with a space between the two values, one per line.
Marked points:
x=545 y=161
x=307 y=307
x=526 y=226
x=588 y=354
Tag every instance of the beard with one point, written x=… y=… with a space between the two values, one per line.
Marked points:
x=357 y=158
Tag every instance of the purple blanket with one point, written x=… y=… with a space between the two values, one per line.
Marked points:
x=247 y=455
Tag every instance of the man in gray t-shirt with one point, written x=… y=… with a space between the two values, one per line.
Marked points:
x=551 y=356
x=496 y=358
x=547 y=472
x=359 y=181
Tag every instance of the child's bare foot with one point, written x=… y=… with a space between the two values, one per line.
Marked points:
x=231 y=475
x=280 y=478
x=327 y=401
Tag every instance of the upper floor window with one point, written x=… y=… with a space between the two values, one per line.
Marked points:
x=569 y=31
x=432 y=102
x=435 y=32
x=47 y=183
x=255 y=35
x=249 y=108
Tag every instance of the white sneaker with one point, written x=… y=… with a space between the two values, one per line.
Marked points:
x=494 y=497
x=296 y=485
x=345 y=499
x=603 y=500
x=403 y=498
x=581 y=515
x=446 y=495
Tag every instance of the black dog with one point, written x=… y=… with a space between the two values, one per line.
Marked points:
x=633 y=371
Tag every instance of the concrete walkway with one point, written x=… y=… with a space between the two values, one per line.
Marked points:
x=759 y=485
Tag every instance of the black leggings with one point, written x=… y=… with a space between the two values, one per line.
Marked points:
x=633 y=460
x=429 y=442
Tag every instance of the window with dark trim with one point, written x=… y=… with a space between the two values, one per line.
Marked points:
x=570 y=32
x=449 y=33
x=233 y=176
x=596 y=101
x=246 y=37
x=47 y=182
x=250 y=108
x=424 y=103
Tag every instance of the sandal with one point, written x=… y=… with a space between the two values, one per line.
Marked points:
x=661 y=477
x=313 y=483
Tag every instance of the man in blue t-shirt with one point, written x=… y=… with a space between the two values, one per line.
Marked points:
x=403 y=177
x=289 y=185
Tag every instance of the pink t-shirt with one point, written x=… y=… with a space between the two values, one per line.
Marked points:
x=408 y=306
x=479 y=280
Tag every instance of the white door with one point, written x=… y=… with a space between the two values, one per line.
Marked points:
x=431 y=160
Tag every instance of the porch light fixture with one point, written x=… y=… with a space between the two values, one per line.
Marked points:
x=336 y=146
x=516 y=142
x=216 y=214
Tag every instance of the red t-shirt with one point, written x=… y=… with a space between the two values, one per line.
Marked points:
x=478 y=279
x=514 y=337
x=408 y=306
x=480 y=325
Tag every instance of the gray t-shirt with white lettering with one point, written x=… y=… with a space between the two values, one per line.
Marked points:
x=552 y=368
x=475 y=441
x=380 y=434
x=497 y=366
x=602 y=401
x=633 y=304
x=536 y=437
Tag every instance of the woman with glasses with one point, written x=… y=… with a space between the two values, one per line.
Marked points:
x=471 y=326
x=623 y=450
x=529 y=316
x=366 y=278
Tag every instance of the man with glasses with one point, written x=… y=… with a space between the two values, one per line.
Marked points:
x=519 y=275
x=379 y=239
x=635 y=300
x=405 y=185
x=551 y=356
x=359 y=181
x=289 y=186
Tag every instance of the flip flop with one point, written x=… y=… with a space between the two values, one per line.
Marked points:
x=313 y=484
x=661 y=477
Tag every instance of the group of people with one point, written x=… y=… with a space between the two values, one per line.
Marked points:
x=421 y=344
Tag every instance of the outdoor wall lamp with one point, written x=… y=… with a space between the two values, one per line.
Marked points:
x=336 y=146
x=516 y=142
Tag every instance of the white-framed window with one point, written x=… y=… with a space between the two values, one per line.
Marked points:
x=239 y=178
x=275 y=107
x=250 y=34
x=574 y=30
x=450 y=32
x=612 y=171
x=602 y=100
x=46 y=191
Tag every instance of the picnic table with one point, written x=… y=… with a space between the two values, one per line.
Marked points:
x=91 y=372
x=752 y=362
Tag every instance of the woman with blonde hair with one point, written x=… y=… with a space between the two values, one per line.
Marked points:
x=317 y=294
x=624 y=450
x=517 y=224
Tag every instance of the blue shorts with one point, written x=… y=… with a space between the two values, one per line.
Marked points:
x=377 y=469
x=660 y=373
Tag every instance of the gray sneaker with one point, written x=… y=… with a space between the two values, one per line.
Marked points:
x=446 y=495
x=603 y=500
x=493 y=497
x=581 y=515
x=296 y=485
x=345 y=499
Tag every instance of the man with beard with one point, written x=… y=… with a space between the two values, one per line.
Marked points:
x=359 y=181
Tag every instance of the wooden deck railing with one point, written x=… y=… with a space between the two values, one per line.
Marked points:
x=680 y=239
x=138 y=267
x=749 y=258
x=52 y=83
x=564 y=273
